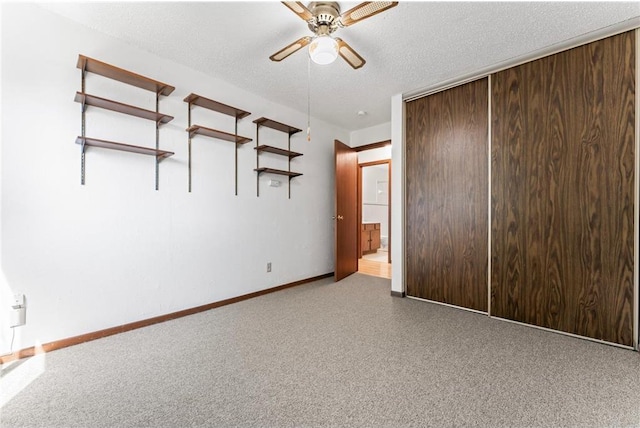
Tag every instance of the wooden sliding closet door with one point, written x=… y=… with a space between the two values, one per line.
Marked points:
x=446 y=199
x=563 y=191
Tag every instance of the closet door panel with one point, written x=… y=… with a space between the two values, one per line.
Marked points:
x=447 y=190
x=563 y=191
x=508 y=178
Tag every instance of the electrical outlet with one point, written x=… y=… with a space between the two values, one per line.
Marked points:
x=269 y=267
x=18 y=314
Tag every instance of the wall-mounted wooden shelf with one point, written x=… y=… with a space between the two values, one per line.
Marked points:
x=289 y=174
x=92 y=100
x=94 y=142
x=198 y=100
x=193 y=130
x=277 y=151
x=90 y=65
x=289 y=130
x=107 y=70
x=263 y=121
x=214 y=133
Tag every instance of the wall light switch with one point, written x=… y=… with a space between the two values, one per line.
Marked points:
x=274 y=183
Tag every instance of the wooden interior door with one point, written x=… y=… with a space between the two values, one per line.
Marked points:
x=346 y=239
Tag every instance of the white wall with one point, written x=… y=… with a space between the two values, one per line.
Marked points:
x=116 y=251
x=397 y=193
x=375 y=206
x=374 y=134
x=372 y=155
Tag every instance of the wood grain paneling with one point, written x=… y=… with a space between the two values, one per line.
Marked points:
x=562 y=191
x=446 y=199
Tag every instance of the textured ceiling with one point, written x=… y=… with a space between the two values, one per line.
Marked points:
x=411 y=46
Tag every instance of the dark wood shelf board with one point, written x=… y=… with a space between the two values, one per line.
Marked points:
x=94 y=142
x=290 y=174
x=198 y=100
x=92 y=100
x=277 y=151
x=214 y=133
x=112 y=72
x=263 y=121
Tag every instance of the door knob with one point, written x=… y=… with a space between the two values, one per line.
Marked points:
x=340 y=217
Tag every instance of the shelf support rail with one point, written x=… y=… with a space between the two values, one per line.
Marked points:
x=158 y=140
x=83 y=73
x=236 y=162
x=289 y=162
x=189 y=141
x=257 y=160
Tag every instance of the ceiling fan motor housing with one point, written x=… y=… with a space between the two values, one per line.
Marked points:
x=325 y=15
x=323 y=18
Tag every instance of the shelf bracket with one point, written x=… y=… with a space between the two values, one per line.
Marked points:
x=83 y=70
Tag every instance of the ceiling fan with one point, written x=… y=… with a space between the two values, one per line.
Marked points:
x=323 y=19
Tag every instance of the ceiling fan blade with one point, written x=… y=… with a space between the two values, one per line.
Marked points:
x=364 y=11
x=349 y=55
x=293 y=47
x=299 y=9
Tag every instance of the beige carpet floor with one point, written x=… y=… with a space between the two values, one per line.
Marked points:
x=330 y=354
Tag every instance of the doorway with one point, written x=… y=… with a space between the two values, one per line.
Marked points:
x=374 y=218
x=349 y=236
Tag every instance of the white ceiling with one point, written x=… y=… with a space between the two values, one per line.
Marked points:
x=411 y=46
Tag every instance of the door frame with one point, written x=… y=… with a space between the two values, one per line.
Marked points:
x=359 y=201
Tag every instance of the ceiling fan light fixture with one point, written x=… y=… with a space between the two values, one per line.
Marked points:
x=323 y=50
